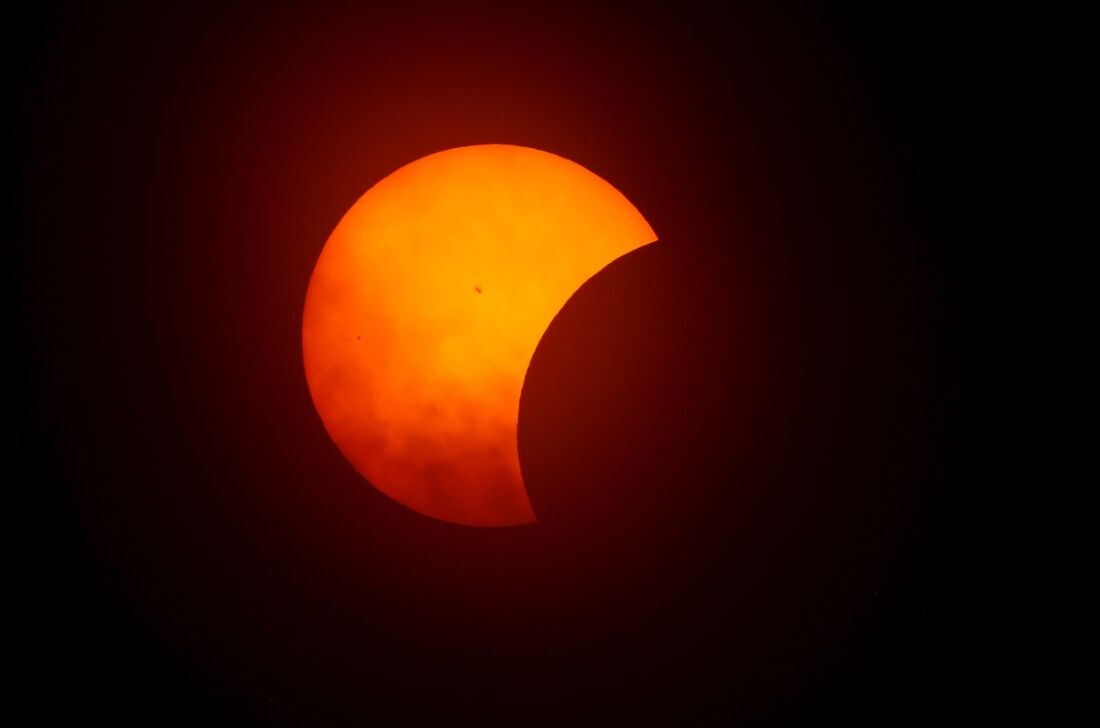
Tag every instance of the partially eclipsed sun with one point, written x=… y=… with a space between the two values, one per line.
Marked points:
x=426 y=305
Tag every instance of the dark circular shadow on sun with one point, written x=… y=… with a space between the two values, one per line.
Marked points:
x=722 y=482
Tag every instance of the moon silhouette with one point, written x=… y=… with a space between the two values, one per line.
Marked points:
x=426 y=306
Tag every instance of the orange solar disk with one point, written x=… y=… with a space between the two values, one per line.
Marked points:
x=426 y=305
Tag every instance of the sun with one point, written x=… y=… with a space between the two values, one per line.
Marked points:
x=426 y=305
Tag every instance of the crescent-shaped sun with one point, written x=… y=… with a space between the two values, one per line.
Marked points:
x=426 y=306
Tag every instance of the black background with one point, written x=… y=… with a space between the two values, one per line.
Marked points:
x=759 y=450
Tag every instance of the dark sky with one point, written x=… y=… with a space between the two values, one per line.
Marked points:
x=758 y=450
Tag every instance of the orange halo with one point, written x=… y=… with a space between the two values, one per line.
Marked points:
x=426 y=305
